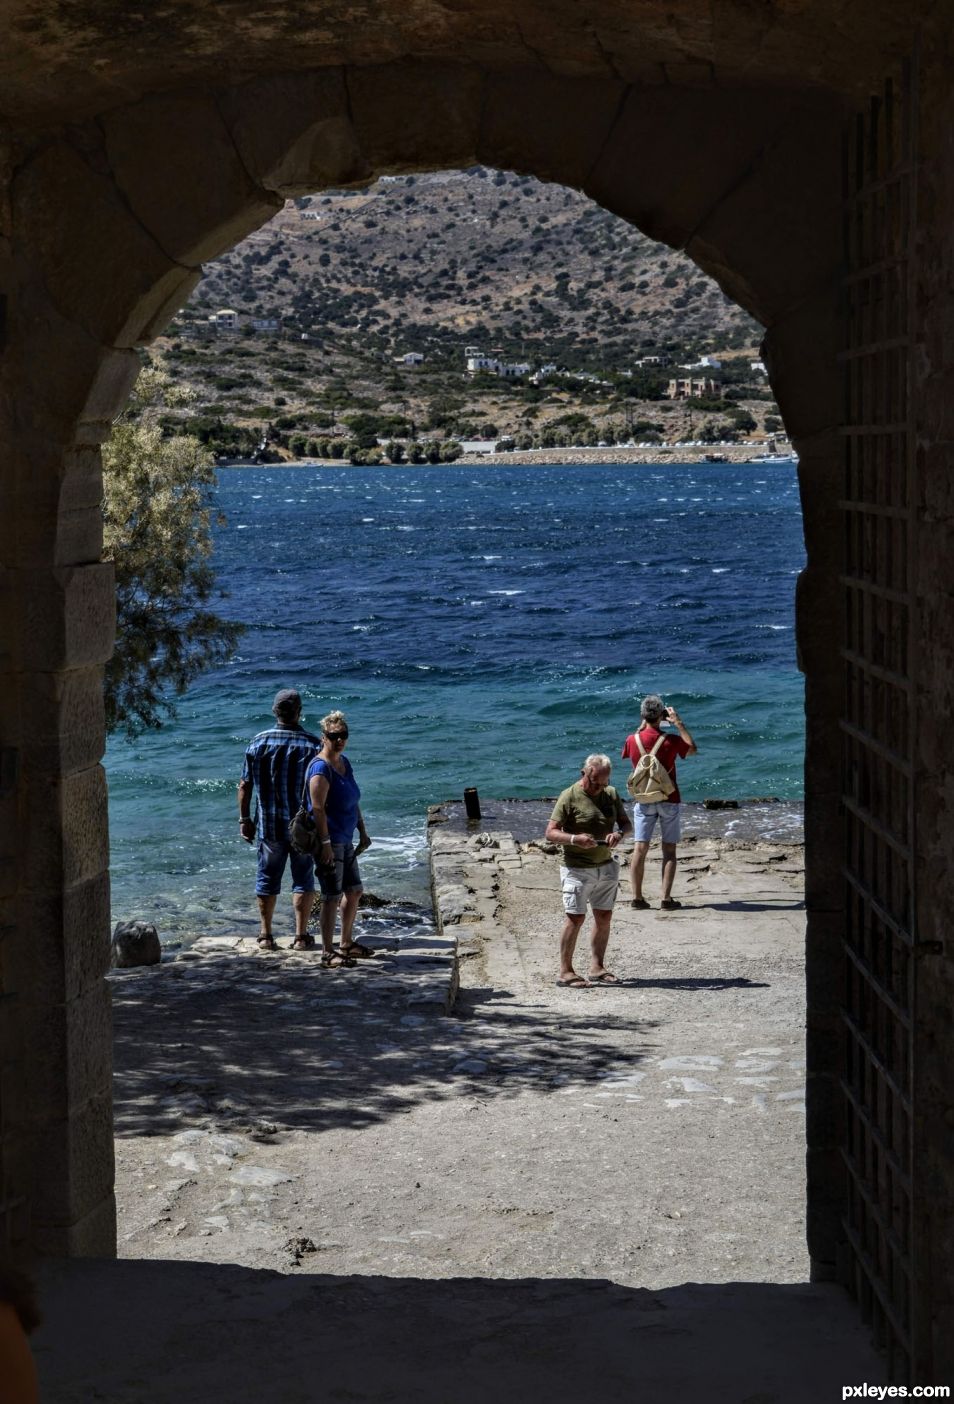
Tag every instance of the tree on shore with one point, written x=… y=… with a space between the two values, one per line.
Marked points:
x=158 y=516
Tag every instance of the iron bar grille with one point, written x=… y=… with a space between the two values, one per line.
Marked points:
x=878 y=793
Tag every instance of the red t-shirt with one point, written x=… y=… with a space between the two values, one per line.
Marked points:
x=672 y=749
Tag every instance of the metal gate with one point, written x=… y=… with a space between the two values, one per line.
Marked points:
x=878 y=793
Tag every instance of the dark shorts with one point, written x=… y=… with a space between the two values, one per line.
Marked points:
x=343 y=877
x=273 y=854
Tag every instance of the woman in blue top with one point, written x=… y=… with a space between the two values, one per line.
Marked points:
x=334 y=801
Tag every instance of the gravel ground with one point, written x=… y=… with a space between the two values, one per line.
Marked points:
x=651 y=1132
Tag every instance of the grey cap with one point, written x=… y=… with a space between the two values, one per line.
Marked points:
x=287 y=700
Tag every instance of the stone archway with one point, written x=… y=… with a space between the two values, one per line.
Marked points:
x=109 y=230
x=106 y=223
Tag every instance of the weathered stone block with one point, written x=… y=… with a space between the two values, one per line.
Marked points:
x=76 y=1067
x=52 y=531
x=294 y=131
x=820 y=486
x=160 y=314
x=66 y=819
x=92 y=1236
x=81 y=483
x=60 y=946
x=64 y=726
x=540 y=123
x=69 y=616
x=83 y=387
x=99 y=265
x=801 y=353
x=75 y=1168
x=113 y=379
x=776 y=236
x=674 y=154
x=818 y=619
x=169 y=144
x=411 y=115
x=79 y=537
x=826 y=1200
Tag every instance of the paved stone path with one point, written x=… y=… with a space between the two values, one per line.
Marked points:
x=329 y=1188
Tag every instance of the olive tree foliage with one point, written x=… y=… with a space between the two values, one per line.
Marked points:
x=158 y=515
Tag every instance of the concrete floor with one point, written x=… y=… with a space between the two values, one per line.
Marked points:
x=169 y=1332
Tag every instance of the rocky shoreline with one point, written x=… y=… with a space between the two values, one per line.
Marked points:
x=735 y=455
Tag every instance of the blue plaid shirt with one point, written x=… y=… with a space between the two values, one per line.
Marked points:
x=276 y=762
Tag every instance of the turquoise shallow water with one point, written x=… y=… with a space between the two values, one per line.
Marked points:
x=480 y=626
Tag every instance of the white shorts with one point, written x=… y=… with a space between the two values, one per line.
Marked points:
x=595 y=887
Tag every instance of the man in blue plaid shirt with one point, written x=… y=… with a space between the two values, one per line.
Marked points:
x=274 y=773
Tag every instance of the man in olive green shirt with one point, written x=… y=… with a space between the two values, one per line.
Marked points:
x=589 y=820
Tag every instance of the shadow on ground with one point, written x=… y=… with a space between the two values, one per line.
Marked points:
x=172 y=1331
x=742 y=906
x=305 y=1048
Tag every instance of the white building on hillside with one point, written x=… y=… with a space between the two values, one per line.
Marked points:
x=226 y=319
x=410 y=358
x=476 y=361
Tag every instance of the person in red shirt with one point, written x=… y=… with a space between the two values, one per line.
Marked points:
x=654 y=714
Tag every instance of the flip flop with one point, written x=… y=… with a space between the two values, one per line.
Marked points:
x=577 y=983
x=267 y=943
x=607 y=978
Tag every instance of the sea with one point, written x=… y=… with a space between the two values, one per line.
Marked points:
x=480 y=626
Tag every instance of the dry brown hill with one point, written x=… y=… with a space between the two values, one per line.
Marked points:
x=419 y=262
x=347 y=281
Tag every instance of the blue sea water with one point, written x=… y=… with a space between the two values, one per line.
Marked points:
x=482 y=626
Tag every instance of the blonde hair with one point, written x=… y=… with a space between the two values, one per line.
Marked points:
x=334 y=721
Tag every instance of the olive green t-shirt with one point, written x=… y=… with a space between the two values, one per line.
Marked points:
x=576 y=812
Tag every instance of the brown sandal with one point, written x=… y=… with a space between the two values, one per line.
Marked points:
x=334 y=960
x=267 y=943
x=303 y=943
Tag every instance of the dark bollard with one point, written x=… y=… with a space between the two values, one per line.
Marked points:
x=472 y=803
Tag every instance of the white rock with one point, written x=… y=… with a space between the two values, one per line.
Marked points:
x=182 y=1160
x=258 y=1176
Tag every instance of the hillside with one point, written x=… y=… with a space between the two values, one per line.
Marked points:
x=430 y=264
x=470 y=256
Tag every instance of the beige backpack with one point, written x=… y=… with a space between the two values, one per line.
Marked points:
x=650 y=782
